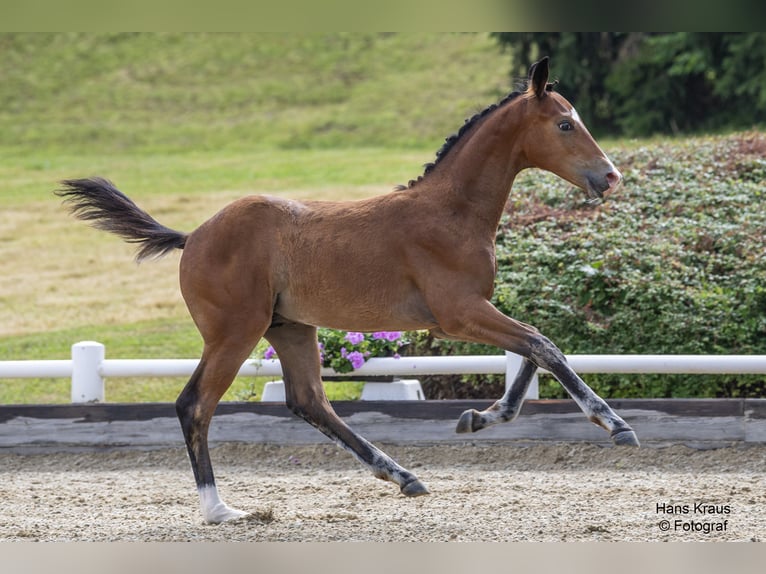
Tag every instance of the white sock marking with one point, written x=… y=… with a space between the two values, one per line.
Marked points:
x=215 y=510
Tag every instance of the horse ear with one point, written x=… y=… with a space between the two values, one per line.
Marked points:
x=538 y=77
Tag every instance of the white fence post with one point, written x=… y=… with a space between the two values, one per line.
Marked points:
x=87 y=383
x=512 y=366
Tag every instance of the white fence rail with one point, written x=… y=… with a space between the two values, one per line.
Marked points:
x=88 y=367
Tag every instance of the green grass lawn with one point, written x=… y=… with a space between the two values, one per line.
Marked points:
x=167 y=93
x=184 y=123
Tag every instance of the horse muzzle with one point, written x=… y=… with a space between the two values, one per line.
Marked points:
x=600 y=187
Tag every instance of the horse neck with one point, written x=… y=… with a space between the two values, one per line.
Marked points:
x=475 y=178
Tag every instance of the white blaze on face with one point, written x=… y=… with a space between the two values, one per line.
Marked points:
x=575 y=116
x=618 y=176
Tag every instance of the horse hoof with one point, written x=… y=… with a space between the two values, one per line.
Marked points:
x=469 y=421
x=625 y=438
x=414 y=488
x=227 y=515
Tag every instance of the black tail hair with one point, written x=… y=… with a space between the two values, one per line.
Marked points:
x=99 y=202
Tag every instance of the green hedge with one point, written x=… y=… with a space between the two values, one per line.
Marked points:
x=673 y=263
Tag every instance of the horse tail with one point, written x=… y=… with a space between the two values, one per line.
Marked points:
x=99 y=202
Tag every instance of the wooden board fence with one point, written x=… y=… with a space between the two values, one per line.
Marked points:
x=658 y=422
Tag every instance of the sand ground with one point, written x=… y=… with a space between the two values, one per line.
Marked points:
x=480 y=492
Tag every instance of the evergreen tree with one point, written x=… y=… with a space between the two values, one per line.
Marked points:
x=640 y=83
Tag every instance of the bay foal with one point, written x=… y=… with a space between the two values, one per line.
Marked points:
x=278 y=268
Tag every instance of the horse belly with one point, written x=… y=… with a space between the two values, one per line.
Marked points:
x=347 y=309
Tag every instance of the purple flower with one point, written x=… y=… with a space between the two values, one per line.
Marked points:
x=356 y=359
x=387 y=335
x=270 y=353
x=343 y=352
x=354 y=338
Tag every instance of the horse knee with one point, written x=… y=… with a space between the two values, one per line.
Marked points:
x=545 y=354
x=308 y=410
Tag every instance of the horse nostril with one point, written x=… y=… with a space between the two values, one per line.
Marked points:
x=613 y=178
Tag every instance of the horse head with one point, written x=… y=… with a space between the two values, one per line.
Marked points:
x=557 y=140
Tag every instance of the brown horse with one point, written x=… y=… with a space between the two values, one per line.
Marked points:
x=278 y=268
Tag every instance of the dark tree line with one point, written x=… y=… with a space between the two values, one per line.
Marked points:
x=641 y=83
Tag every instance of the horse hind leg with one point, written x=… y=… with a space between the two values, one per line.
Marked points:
x=195 y=406
x=296 y=346
x=194 y=411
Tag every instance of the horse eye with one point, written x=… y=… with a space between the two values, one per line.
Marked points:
x=565 y=126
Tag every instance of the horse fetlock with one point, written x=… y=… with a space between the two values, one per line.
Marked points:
x=503 y=411
x=470 y=421
x=619 y=431
x=599 y=421
x=509 y=415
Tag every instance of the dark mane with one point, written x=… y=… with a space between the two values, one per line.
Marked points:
x=469 y=123
x=450 y=142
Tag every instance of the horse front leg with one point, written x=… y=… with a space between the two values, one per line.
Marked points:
x=481 y=322
x=296 y=346
x=504 y=410
x=547 y=356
